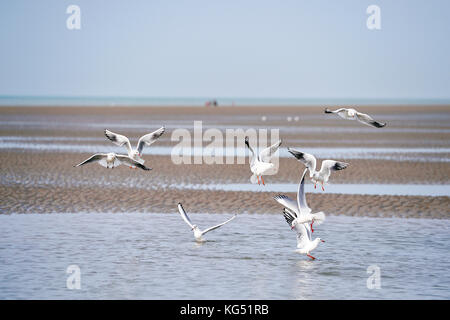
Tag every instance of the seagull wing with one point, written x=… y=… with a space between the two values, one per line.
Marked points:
x=287 y=202
x=219 y=225
x=118 y=139
x=148 y=139
x=331 y=165
x=247 y=143
x=366 y=119
x=185 y=216
x=303 y=234
x=307 y=159
x=131 y=162
x=266 y=154
x=301 y=199
x=95 y=158
x=289 y=216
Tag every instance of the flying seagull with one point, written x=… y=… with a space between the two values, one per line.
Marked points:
x=112 y=160
x=299 y=209
x=197 y=232
x=310 y=161
x=135 y=154
x=305 y=244
x=352 y=114
x=260 y=163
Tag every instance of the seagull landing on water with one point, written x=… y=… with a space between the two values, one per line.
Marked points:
x=300 y=209
x=135 y=154
x=310 y=161
x=260 y=163
x=305 y=244
x=197 y=232
x=112 y=160
x=352 y=114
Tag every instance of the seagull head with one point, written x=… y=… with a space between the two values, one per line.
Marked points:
x=293 y=224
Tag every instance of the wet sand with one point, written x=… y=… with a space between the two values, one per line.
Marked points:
x=45 y=182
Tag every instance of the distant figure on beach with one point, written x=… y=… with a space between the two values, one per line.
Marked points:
x=210 y=103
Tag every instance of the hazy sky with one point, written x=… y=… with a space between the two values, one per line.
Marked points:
x=226 y=48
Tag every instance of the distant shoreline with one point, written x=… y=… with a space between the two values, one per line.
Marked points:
x=62 y=101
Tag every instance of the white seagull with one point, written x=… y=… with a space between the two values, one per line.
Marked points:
x=310 y=161
x=112 y=160
x=197 y=232
x=135 y=154
x=260 y=164
x=352 y=114
x=305 y=244
x=300 y=209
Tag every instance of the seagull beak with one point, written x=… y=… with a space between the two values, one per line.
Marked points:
x=292 y=227
x=322 y=240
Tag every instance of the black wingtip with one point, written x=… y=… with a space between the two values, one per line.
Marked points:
x=327 y=110
x=379 y=124
x=295 y=153
x=340 y=166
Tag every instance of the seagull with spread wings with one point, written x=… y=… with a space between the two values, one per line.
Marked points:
x=310 y=162
x=260 y=163
x=112 y=160
x=136 y=154
x=305 y=244
x=197 y=232
x=300 y=209
x=352 y=114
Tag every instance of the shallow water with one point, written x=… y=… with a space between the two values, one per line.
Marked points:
x=362 y=188
x=395 y=154
x=154 y=256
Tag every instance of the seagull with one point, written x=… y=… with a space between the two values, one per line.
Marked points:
x=305 y=244
x=310 y=161
x=300 y=209
x=197 y=232
x=112 y=160
x=135 y=154
x=352 y=114
x=260 y=164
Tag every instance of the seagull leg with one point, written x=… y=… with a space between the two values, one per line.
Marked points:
x=312 y=222
x=258 y=180
x=323 y=189
x=312 y=258
x=315 y=185
x=262 y=180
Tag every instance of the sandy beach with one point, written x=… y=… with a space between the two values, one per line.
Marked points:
x=39 y=147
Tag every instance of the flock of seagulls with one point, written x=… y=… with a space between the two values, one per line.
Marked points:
x=297 y=213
